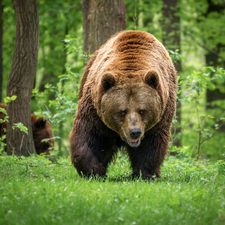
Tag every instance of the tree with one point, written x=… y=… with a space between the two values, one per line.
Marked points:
x=101 y=19
x=22 y=75
x=213 y=58
x=171 y=39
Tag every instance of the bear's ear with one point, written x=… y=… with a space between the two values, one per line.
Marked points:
x=151 y=78
x=108 y=81
x=40 y=122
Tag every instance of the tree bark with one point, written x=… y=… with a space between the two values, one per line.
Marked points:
x=101 y=19
x=1 y=33
x=22 y=75
x=171 y=39
x=213 y=60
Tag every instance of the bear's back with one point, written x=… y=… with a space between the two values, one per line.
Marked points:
x=128 y=55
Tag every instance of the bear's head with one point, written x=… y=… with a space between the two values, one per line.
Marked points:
x=130 y=106
x=41 y=129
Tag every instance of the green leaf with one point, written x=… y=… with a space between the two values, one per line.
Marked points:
x=3 y=111
x=9 y=99
x=2 y=121
x=13 y=98
x=21 y=127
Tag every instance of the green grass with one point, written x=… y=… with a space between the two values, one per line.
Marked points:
x=34 y=191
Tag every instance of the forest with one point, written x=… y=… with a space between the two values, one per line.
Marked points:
x=183 y=27
x=44 y=48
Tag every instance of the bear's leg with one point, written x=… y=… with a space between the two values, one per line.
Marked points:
x=148 y=157
x=91 y=152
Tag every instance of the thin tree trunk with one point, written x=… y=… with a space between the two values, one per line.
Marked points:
x=1 y=33
x=213 y=60
x=171 y=39
x=22 y=75
x=101 y=19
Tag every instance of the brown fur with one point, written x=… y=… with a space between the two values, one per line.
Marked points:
x=129 y=85
x=41 y=129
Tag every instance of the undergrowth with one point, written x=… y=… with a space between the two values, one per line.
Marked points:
x=36 y=191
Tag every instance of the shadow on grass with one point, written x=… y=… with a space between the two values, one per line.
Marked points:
x=119 y=179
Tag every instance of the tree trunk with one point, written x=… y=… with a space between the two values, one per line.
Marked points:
x=213 y=60
x=171 y=39
x=22 y=75
x=101 y=19
x=1 y=33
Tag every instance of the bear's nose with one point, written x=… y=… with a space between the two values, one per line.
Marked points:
x=135 y=133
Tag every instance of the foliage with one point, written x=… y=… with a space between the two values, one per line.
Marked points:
x=148 y=16
x=175 y=56
x=5 y=120
x=57 y=19
x=203 y=25
x=61 y=61
x=8 y=39
x=5 y=113
x=195 y=83
x=8 y=99
x=3 y=136
x=65 y=98
x=36 y=191
x=192 y=87
x=62 y=108
x=71 y=47
x=21 y=127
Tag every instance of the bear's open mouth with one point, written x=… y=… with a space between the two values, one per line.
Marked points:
x=134 y=143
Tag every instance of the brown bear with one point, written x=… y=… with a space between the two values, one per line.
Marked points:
x=41 y=129
x=127 y=98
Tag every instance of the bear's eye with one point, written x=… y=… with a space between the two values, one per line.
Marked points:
x=141 y=112
x=123 y=113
